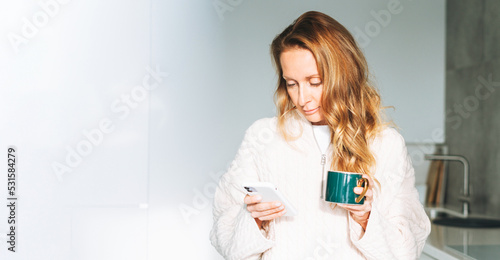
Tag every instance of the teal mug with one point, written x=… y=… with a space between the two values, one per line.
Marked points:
x=340 y=187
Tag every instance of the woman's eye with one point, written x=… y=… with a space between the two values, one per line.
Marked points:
x=316 y=84
x=290 y=84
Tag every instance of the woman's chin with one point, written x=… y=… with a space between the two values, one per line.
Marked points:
x=314 y=120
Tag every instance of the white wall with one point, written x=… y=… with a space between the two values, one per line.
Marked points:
x=188 y=122
x=56 y=89
x=143 y=190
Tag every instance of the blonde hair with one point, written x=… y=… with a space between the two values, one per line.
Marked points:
x=351 y=105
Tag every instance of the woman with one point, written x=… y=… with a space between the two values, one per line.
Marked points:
x=329 y=118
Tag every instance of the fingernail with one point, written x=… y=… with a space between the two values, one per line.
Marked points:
x=258 y=197
x=277 y=204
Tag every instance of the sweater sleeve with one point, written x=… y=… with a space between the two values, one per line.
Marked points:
x=398 y=226
x=235 y=233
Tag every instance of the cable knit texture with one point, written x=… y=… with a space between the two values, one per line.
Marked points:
x=397 y=227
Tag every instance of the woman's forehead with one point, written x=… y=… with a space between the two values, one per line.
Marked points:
x=298 y=63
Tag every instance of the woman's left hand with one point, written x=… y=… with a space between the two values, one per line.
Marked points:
x=361 y=213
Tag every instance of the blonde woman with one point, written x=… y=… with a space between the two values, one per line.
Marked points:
x=329 y=118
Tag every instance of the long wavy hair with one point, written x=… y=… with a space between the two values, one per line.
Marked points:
x=351 y=105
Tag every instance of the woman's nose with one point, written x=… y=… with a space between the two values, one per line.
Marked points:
x=304 y=95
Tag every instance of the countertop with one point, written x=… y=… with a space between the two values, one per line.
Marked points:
x=463 y=243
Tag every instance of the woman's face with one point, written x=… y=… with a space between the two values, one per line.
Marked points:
x=303 y=83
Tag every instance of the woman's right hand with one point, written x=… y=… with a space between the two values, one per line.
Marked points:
x=262 y=211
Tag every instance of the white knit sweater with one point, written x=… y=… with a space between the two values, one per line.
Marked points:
x=397 y=227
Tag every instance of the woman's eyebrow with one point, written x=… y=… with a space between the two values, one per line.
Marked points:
x=308 y=77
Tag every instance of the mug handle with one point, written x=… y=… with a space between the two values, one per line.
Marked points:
x=360 y=183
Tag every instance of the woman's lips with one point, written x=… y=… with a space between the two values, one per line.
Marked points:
x=310 y=112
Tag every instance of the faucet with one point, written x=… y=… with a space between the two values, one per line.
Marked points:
x=465 y=198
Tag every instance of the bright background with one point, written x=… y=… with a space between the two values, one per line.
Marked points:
x=107 y=169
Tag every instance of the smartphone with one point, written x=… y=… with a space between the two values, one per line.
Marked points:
x=269 y=192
